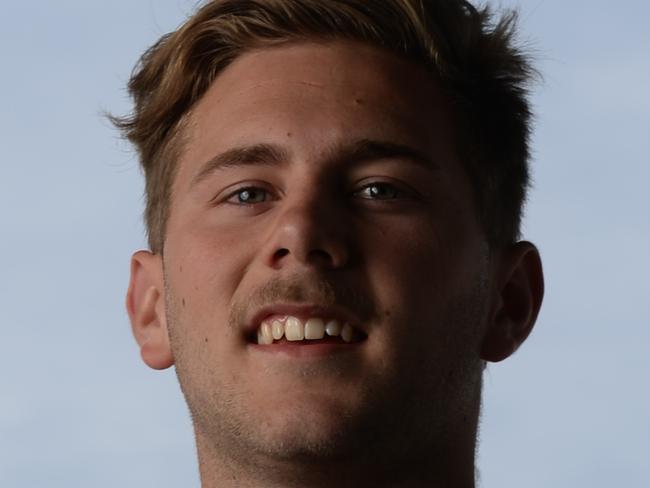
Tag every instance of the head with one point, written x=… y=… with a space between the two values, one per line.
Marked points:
x=351 y=162
x=472 y=56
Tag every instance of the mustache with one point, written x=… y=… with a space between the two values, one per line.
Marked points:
x=304 y=289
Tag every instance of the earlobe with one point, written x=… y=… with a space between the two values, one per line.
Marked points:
x=518 y=298
x=145 y=304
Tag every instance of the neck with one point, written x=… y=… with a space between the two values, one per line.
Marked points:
x=391 y=467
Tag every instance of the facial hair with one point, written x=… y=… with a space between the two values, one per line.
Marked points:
x=397 y=416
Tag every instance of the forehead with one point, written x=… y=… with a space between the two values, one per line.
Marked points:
x=316 y=95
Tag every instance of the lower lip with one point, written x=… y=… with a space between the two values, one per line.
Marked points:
x=305 y=349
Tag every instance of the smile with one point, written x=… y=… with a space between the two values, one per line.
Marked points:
x=288 y=328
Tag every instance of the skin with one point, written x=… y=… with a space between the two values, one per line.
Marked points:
x=410 y=264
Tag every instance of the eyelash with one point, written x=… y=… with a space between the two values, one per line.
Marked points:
x=397 y=193
x=249 y=189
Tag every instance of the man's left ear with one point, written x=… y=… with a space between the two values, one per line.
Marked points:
x=517 y=298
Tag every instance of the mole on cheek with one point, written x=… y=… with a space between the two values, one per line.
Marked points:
x=183 y=301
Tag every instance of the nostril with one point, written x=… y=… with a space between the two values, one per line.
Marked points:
x=321 y=255
x=317 y=255
x=280 y=253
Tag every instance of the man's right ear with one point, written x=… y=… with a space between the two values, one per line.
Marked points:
x=145 y=303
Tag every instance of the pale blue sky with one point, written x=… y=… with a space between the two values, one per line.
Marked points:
x=78 y=408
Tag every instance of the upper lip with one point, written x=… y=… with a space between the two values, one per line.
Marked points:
x=302 y=311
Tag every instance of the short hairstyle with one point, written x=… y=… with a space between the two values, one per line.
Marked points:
x=473 y=54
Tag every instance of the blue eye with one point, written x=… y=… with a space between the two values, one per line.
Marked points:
x=249 y=195
x=379 y=191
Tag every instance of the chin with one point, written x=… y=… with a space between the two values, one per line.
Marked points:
x=313 y=427
x=308 y=439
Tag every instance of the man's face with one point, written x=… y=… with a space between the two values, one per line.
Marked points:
x=321 y=181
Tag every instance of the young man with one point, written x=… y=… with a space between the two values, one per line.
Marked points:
x=334 y=191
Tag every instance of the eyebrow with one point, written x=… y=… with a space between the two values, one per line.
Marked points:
x=256 y=154
x=274 y=155
x=372 y=150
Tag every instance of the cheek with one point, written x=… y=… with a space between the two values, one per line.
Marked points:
x=212 y=251
x=415 y=277
x=200 y=285
x=407 y=261
x=204 y=270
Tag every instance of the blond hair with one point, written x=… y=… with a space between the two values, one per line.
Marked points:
x=475 y=57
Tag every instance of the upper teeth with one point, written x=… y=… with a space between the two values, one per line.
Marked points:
x=295 y=329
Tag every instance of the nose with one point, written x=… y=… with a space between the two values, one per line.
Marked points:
x=310 y=231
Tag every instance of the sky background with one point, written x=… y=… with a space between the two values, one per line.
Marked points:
x=79 y=409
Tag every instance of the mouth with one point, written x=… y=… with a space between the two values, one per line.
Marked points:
x=303 y=326
x=314 y=330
